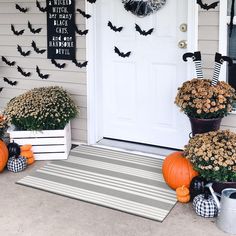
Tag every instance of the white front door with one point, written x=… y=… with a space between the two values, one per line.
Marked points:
x=138 y=92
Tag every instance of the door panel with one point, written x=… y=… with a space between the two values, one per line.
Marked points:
x=138 y=92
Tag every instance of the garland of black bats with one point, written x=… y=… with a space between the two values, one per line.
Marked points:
x=114 y=28
x=36 y=49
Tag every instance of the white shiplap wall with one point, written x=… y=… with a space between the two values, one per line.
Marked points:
x=208 y=45
x=208 y=30
x=72 y=78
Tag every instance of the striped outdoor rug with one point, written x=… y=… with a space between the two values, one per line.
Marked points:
x=126 y=182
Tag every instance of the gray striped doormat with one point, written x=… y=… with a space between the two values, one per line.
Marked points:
x=127 y=182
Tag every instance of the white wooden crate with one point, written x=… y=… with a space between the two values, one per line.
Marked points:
x=46 y=144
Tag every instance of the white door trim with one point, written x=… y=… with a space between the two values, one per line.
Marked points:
x=223 y=39
x=94 y=124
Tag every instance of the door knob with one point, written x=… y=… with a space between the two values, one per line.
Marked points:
x=182 y=44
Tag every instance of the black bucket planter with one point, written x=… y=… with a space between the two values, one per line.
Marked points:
x=200 y=126
x=219 y=186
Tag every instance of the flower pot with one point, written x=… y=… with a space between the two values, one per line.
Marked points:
x=219 y=186
x=200 y=126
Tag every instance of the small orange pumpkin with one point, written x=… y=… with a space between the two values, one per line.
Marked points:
x=177 y=170
x=183 y=194
x=3 y=155
x=30 y=160
x=27 y=154
x=26 y=147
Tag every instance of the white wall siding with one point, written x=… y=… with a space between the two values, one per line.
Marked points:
x=208 y=37
x=208 y=45
x=72 y=78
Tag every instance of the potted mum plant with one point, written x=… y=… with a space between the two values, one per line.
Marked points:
x=41 y=117
x=206 y=101
x=3 y=125
x=213 y=156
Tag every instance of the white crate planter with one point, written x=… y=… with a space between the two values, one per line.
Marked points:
x=46 y=144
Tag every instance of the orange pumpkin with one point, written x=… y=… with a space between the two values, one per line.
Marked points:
x=183 y=194
x=30 y=160
x=3 y=155
x=177 y=170
x=26 y=147
x=184 y=199
x=27 y=154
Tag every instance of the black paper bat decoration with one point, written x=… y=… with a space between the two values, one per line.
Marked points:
x=78 y=64
x=21 y=9
x=36 y=49
x=15 y=32
x=1 y=89
x=207 y=6
x=42 y=9
x=114 y=28
x=12 y=83
x=25 y=74
x=91 y=1
x=9 y=63
x=80 y=32
x=42 y=76
x=143 y=32
x=32 y=30
x=83 y=13
x=58 y=65
x=121 y=54
x=22 y=53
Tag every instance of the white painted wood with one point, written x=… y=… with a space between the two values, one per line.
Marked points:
x=46 y=144
x=50 y=156
x=147 y=113
x=223 y=39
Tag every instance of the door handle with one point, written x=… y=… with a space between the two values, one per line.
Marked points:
x=182 y=44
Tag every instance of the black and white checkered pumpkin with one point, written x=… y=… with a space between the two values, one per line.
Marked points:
x=16 y=164
x=205 y=206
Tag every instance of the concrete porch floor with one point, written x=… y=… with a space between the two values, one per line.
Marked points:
x=26 y=211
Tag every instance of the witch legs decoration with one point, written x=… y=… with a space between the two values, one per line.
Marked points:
x=219 y=60
x=196 y=56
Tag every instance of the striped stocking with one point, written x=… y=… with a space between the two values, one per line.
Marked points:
x=198 y=64
x=219 y=60
x=216 y=74
x=196 y=56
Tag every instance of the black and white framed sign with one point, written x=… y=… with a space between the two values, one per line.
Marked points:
x=61 y=29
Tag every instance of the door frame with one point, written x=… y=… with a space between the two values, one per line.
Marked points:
x=94 y=103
